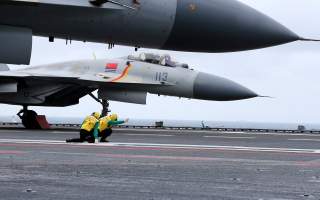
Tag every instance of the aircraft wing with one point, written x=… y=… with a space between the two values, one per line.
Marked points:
x=106 y=4
x=26 y=75
x=60 y=88
x=4 y=67
x=89 y=79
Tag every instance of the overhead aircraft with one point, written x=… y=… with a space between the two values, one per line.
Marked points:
x=126 y=79
x=181 y=25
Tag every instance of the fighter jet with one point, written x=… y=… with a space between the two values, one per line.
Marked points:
x=181 y=25
x=126 y=79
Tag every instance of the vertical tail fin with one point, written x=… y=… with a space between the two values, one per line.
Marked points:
x=4 y=67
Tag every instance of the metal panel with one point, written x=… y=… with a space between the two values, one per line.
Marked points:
x=8 y=87
x=16 y=45
x=136 y=97
x=4 y=67
x=78 y=3
x=148 y=26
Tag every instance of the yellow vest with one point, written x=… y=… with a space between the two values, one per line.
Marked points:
x=104 y=123
x=89 y=123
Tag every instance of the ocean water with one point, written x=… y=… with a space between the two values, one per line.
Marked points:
x=183 y=123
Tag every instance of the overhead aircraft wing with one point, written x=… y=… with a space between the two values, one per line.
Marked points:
x=110 y=4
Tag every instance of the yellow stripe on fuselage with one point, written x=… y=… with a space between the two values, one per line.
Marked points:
x=123 y=75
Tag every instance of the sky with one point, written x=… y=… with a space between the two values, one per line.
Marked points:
x=289 y=73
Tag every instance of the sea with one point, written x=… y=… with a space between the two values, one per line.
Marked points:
x=184 y=123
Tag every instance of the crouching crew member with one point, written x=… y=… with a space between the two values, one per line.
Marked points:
x=87 y=128
x=104 y=130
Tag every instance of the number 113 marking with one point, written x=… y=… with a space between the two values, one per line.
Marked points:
x=162 y=76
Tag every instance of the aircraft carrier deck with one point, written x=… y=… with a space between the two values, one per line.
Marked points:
x=159 y=164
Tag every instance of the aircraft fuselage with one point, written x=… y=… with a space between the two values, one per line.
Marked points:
x=184 y=25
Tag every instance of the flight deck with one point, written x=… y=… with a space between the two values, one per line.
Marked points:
x=159 y=164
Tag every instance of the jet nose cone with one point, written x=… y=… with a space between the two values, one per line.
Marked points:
x=259 y=30
x=210 y=87
x=224 y=26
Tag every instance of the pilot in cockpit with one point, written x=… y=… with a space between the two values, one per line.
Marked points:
x=164 y=60
x=136 y=2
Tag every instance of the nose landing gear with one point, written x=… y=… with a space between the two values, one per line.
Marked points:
x=104 y=103
x=105 y=108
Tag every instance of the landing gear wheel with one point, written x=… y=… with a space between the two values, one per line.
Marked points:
x=29 y=119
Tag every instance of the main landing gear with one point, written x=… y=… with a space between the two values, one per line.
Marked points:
x=31 y=120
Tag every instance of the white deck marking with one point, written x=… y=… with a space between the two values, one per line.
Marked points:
x=151 y=135
x=231 y=132
x=166 y=146
x=216 y=132
x=21 y=141
x=227 y=137
x=16 y=131
x=62 y=132
x=304 y=139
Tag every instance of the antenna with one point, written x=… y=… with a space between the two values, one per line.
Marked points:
x=309 y=40
x=266 y=97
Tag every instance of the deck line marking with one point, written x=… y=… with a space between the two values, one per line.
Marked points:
x=230 y=132
x=12 y=152
x=156 y=135
x=122 y=130
x=187 y=131
x=166 y=146
x=305 y=139
x=227 y=137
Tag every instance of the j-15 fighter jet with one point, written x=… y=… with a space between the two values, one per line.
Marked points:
x=181 y=25
x=126 y=79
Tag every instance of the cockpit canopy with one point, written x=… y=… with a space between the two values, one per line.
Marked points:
x=164 y=60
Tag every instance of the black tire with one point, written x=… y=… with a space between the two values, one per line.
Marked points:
x=29 y=120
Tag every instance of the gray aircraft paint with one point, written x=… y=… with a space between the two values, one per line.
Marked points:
x=184 y=25
x=16 y=44
x=226 y=25
x=149 y=26
x=4 y=67
x=62 y=84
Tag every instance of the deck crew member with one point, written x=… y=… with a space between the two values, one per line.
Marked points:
x=104 y=129
x=87 y=128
